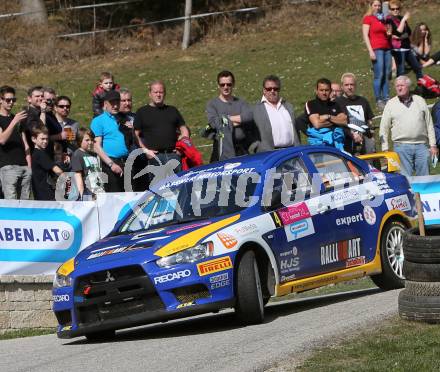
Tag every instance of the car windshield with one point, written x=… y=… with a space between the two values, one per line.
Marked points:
x=192 y=200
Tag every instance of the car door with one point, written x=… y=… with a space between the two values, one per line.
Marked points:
x=353 y=226
x=299 y=230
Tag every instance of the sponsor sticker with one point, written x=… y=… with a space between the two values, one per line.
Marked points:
x=231 y=166
x=213 y=266
x=172 y=276
x=219 y=281
x=294 y=213
x=299 y=229
x=227 y=240
x=369 y=215
x=246 y=229
x=348 y=220
x=340 y=251
x=106 y=252
x=186 y=304
x=188 y=227
x=400 y=202
x=356 y=261
x=61 y=298
x=276 y=219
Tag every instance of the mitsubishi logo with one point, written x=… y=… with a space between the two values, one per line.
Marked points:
x=109 y=277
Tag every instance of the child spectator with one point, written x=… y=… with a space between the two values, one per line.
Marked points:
x=86 y=166
x=43 y=167
x=106 y=84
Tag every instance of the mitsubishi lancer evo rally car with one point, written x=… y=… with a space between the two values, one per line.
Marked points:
x=234 y=234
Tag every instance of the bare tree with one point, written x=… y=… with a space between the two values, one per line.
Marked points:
x=36 y=10
x=187 y=27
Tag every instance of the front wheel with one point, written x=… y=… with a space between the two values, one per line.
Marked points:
x=249 y=306
x=391 y=256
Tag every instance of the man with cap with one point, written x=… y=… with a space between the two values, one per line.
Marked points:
x=110 y=143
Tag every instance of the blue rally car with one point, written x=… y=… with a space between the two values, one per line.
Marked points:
x=234 y=234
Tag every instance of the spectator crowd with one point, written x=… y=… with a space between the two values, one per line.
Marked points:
x=41 y=144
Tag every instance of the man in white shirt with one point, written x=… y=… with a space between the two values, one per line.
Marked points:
x=408 y=118
x=274 y=118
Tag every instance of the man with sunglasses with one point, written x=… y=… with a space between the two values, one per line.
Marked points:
x=67 y=127
x=229 y=118
x=274 y=118
x=15 y=162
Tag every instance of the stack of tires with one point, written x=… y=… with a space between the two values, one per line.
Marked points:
x=420 y=300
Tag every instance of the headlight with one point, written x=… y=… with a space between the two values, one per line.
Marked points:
x=62 y=281
x=199 y=252
x=62 y=276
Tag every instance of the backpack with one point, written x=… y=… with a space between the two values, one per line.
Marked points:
x=428 y=87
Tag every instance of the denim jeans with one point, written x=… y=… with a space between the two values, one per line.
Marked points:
x=382 y=71
x=16 y=181
x=402 y=56
x=414 y=157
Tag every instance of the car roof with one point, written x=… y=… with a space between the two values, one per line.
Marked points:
x=263 y=160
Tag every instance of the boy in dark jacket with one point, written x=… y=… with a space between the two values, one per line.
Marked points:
x=105 y=84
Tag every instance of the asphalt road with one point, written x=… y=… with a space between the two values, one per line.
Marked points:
x=213 y=342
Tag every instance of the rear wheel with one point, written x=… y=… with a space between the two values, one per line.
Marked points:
x=391 y=256
x=101 y=336
x=249 y=306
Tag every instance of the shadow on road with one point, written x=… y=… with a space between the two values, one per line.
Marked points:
x=210 y=323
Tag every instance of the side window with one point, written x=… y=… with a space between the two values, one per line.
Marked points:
x=292 y=182
x=336 y=170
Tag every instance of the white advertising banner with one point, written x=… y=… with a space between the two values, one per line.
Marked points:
x=112 y=207
x=37 y=236
x=429 y=189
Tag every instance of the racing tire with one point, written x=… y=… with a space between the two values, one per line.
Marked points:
x=422 y=249
x=391 y=257
x=249 y=306
x=421 y=272
x=419 y=308
x=101 y=336
x=422 y=288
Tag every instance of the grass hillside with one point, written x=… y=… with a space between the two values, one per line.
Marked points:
x=298 y=43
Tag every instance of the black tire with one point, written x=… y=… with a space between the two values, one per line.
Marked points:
x=420 y=308
x=422 y=249
x=101 y=336
x=422 y=288
x=249 y=306
x=391 y=257
x=418 y=272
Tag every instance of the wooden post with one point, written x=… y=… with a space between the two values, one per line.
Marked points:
x=187 y=27
x=420 y=214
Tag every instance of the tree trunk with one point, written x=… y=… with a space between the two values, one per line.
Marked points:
x=187 y=28
x=36 y=9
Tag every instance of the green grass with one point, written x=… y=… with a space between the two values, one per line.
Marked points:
x=25 y=333
x=396 y=345
x=328 y=48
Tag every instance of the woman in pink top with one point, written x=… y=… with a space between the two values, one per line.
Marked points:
x=377 y=36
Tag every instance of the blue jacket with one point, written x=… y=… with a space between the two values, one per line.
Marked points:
x=326 y=136
x=436 y=119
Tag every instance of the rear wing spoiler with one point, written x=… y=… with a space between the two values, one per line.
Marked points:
x=387 y=161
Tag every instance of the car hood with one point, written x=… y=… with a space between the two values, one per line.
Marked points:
x=139 y=246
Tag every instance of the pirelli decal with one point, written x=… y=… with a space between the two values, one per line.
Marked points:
x=213 y=266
